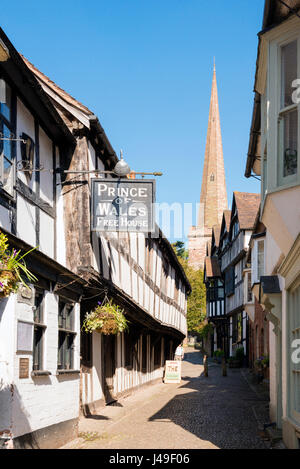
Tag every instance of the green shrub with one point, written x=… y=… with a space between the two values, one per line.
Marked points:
x=240 y=354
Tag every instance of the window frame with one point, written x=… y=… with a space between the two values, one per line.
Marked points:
x=66 y=337
x=38 y=330
x=11 y=126
x=281 y=180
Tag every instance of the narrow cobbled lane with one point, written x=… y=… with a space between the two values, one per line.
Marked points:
x=214 y=412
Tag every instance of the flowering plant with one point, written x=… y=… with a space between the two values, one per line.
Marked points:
x=107 y=319
x=12 y=266
x=262 y=362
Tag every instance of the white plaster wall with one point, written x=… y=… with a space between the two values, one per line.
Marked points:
x=134 y=286
x=7 y=347
x=46 y=162
x=5 y=218
x=26 y=221
x=125 y=276
x=141 y=250
x=133 y=246
x=141 y=291
x=60 y=223
x=42 y=401
x=115 y=267
x=92 y=158
x=25 y=123
x=146 y=297
x=158 y=269
x=97 y=392
x=105 y=257
x=272 y=253
x=46 y=234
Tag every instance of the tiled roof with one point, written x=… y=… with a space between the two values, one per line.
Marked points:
x=212 y=267
x=247 y=207
x=217 y=232
x=62 y=93
x=276 y=12
x=227 y=217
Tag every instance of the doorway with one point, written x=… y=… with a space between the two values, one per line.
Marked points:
x=108 y=367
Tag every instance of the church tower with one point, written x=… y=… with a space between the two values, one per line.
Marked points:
x=213 y=200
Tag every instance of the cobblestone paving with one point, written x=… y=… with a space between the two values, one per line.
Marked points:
x=214 y=412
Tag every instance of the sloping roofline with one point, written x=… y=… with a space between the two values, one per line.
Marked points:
x=34 y=97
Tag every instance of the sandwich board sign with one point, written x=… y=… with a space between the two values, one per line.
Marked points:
x=123 y=205
x=172 y=372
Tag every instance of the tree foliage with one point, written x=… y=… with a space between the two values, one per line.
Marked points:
x=196 y=305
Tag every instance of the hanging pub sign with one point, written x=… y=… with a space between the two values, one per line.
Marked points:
x=123 y=205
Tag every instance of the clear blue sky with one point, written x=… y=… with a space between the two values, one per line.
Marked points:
x=145 y=68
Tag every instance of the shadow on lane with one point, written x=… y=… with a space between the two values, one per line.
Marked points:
x=215 y=409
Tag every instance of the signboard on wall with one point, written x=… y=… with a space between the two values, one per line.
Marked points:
x=123 y=205
x=172 y=372
x=24 y=336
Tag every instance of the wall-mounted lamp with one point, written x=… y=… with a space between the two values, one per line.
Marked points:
x=4 y=53
x=27 y=154
x=122 y=168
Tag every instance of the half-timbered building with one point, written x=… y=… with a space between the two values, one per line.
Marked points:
x=52 y=147
x=139 y=272
x=215 y=300
x=224 y=275
x=39 y=325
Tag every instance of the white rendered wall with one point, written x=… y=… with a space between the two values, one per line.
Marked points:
x=25 y=123
x=40 y=401
x=26 y=221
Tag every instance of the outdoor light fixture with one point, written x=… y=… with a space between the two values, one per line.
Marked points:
x=122 y=168
x=4 y=53
x=27 y=153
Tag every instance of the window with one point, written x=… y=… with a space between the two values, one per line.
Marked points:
x=288 y=116
x=249 y=290
x=7 y=147
x=229 y=281
x=39 y=328
x=235 y=229
x=260 y=259
x=237 y=328
x=66 y=336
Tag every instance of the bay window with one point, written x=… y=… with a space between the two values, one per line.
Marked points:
x=288 y=116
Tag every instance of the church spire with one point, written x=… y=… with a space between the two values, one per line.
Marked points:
x=213 y=191
x=213 y=199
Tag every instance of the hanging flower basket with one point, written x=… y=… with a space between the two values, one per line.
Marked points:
x=107 y=319
x=12 y=268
